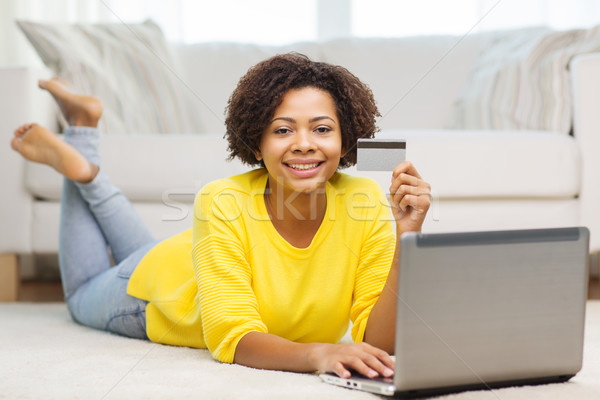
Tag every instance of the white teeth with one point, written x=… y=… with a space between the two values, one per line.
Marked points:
x=303 y=166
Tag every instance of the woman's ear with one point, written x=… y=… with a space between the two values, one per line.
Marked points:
x=258 y=156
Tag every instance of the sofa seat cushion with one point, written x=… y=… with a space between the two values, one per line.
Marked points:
x=165 y=220
x=162 y=220
x=475 y=164
x=491 y=164
x=150 y=168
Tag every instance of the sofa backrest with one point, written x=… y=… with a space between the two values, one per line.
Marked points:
x=415 y=80
x=211 y=72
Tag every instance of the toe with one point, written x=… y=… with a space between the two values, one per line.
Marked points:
x=20 y=131
x=58 y=84
x=61 y=81
x=15 y=144
x=23 y=129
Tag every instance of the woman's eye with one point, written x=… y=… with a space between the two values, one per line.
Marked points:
x=323 y=129
x=282 y=131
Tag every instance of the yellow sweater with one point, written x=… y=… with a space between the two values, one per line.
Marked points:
x=234 y=274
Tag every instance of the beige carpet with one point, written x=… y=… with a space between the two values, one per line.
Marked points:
x=44 y=355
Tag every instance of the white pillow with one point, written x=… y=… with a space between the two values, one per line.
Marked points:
x=129 y=67
x=521 y=81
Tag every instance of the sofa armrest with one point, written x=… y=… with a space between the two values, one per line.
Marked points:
x=20 y=102
x=586 y=126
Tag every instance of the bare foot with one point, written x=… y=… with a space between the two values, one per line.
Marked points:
x=79 y=110
x=36 y=143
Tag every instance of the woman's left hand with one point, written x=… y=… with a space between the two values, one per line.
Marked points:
x=410 y=198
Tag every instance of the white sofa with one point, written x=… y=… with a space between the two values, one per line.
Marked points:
x=482 y=180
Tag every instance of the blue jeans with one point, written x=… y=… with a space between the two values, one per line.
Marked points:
x=97 y=222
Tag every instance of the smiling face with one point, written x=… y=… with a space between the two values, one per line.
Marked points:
x=302 y=146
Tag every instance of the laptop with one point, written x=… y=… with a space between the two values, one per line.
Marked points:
x=482 y=310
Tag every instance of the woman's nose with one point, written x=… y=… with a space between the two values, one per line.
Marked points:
x=303 y=141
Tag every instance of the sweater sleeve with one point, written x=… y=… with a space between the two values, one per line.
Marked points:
x=375 y=260
x=228 y=306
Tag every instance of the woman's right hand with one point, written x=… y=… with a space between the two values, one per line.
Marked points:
x=361 y=357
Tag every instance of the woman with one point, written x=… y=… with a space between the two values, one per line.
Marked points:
x=282 y=257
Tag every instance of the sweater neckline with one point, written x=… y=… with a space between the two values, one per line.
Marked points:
x=280 y=241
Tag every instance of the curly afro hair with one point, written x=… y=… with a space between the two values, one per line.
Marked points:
x=260 y=91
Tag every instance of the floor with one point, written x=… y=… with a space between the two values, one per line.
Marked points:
x=32 y=291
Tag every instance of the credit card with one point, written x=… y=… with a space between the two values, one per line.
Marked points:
x=380 y=154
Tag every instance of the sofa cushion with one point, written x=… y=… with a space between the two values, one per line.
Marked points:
x=522 y=81
x=491 y=164
x=128 y=66
x=458 y=164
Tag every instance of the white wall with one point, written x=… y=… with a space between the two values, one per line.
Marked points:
x=14 y=47
x=282 y=21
